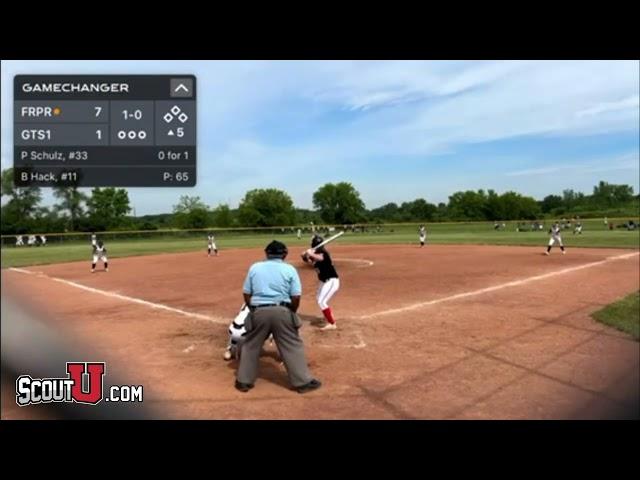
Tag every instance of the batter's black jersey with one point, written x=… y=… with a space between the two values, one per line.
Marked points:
x=325 y=268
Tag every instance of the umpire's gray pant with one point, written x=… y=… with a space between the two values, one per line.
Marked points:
x=284 y=325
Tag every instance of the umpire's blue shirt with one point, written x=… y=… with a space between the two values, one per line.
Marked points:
x=272 y=281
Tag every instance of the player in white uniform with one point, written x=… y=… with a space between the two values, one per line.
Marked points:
x=31 y=241
x=99 y=253
x=299 y=234
x=19 y=241
x=43 y=240
x=236 y=334
x=578 y=229
x=211 y=246
x=555 y=238
x=422 y=234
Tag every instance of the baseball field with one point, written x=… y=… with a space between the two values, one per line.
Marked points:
x=479 y=324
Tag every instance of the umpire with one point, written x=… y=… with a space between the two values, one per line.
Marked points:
x=272 y=290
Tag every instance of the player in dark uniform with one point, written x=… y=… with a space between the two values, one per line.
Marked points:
x=328 y=276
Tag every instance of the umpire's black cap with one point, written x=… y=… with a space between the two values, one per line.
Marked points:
x=276 y=249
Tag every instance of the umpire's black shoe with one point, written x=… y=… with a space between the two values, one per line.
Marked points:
x=307 y=387
x=243 y=387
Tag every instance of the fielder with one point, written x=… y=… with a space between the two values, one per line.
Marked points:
x=99 y=253
x=299 y=234
x=211 y=246
x=43 y=240
x=31 y=241
x=555 y=238
x=578 y=229
x=422 y=235
x=328 y=276
x=19 y=241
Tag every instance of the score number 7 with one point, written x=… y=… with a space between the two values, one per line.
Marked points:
x=98 y=132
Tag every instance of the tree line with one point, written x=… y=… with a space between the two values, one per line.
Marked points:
x=338 y=204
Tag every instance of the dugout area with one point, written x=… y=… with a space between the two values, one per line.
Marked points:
x=444 y=332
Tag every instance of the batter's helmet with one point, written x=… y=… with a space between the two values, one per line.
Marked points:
x=316 y=240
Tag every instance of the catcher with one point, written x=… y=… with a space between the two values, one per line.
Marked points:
x=329 y=282
x=237 y=333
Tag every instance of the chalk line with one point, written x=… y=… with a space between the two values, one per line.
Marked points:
x=139 y=301
x=494 y=288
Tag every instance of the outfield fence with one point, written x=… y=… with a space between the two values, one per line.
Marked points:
x=291 y=230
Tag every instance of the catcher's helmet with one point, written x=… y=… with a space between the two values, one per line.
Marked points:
x=316 y=240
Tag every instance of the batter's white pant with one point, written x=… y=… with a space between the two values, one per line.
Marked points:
x=326 y=290
x=212 y=246
x=99 y=257
x=555 y=239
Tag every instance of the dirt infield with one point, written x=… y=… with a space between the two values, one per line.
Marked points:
x=441 y=332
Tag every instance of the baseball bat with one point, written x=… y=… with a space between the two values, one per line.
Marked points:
x=328 y=240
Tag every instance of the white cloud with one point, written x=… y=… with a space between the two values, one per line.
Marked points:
x=632 y=102
x=629 y=161
x=539 y=171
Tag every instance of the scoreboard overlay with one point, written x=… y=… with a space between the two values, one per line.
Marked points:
x=105 y=130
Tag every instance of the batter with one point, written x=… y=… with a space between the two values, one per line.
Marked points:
x=329 y=281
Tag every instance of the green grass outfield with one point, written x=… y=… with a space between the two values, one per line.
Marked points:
x=623 y=315
x=594 y=235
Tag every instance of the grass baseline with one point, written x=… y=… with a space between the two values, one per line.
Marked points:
x=623 y=315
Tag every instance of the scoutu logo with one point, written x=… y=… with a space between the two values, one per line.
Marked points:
x=84 y=384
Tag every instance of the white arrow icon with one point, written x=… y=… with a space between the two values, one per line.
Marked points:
x=170 y=133
x=181 y=86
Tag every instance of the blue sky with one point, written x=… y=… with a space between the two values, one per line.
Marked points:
x=397 y=130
